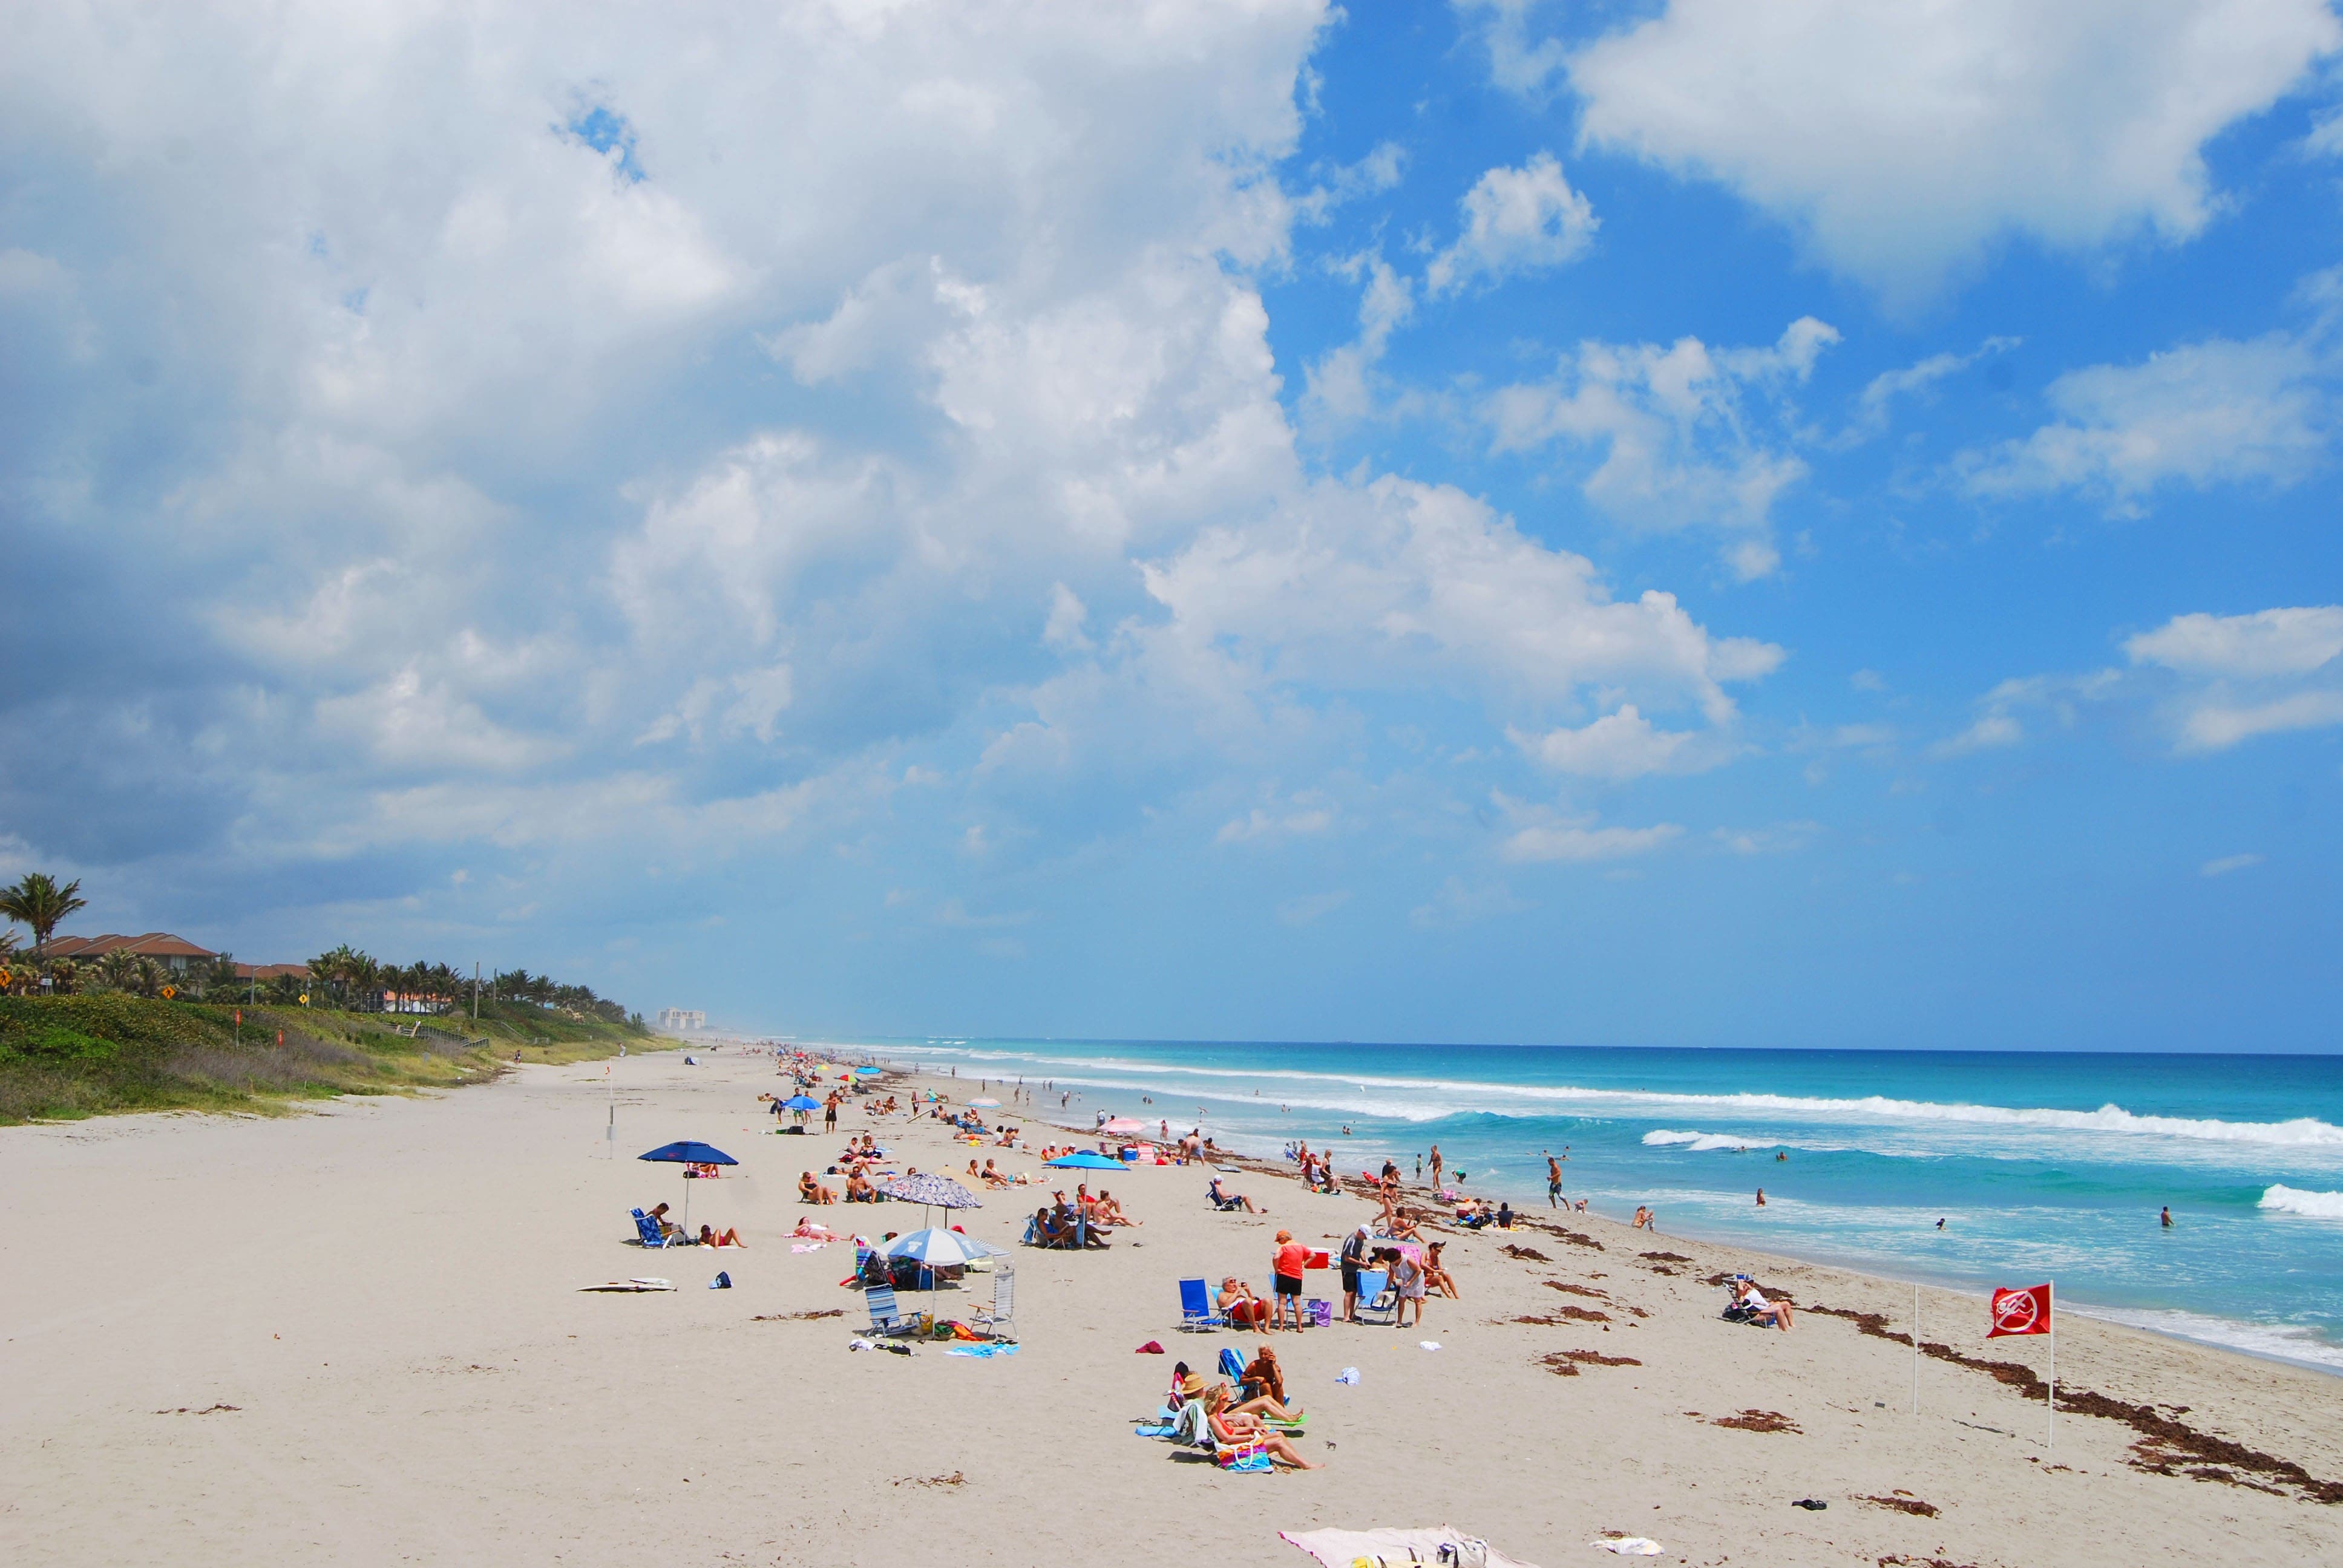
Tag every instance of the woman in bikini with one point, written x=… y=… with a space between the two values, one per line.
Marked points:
x=1435 y=1276
x=812 y=1192
x=1239 y=1429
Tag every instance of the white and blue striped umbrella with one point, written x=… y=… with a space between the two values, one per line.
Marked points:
x=933 y=1248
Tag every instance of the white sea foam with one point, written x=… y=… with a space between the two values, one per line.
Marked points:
x=2295 y=1201
x=1700 y=1143
x=1430 y=1100
x=2286 y=1341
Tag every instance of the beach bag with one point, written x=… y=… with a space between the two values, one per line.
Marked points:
x=1322 y=1313
x=1465 y=1551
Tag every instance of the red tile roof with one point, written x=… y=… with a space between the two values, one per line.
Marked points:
x=153 y=945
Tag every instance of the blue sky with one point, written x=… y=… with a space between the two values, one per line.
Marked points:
x=1685 y=523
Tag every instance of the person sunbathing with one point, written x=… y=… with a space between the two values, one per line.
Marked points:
x=1263 y=1375
x=1765 y=1312
x=812 y=1192
x=1404 y=1228
x=809 y=1230
x=667 y=1226
x=992 y=1175
x=1241 y=1432
x=708 y=1237
x=1110 y=1212
x=1222 y=1199
x=859 y=1190
x=1436 y=1277
x=1237 y=1302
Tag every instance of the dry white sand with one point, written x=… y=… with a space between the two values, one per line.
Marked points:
x=386 y=1295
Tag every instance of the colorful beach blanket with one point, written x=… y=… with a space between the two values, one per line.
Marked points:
x=991 y=1350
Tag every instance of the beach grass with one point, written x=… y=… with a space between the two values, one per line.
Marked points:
x=64 y=1057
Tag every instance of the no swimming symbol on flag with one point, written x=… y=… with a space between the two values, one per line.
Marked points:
x=2020 y=1311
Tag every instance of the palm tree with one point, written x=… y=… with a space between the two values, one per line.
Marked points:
x=41 y=904
x=152 y=977
x=118 y=970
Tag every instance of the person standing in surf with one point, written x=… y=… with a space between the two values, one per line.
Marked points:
x=1553 y=1181
x=1435 y=1167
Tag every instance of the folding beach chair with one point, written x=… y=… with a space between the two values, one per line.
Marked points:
x=1001 y=1322
x=886 y=1317
x=1377 y=1296
x=1197 y=1313
x=648 y=1230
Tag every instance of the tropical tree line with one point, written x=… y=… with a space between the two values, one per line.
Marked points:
x=344 y=976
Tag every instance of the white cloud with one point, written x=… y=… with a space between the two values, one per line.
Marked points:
x=1349 y=589
x=1381 y=170
x=1341 y=384
x=1997 y=726
x=2268 y=642
x=1516 y=220
x=2208 y=413
x=2228 y=863
x=1619 y=745
x=1902 y=141
x=2216 y=726
x=1063 y=630
x=2245 y=676
x=1574 y=842
x=1874 y=408
x=1680 y=431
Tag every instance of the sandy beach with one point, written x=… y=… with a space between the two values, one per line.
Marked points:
x=358 y=1335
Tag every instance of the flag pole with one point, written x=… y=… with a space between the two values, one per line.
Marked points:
x=2051 y=1447
x=1916 y=1347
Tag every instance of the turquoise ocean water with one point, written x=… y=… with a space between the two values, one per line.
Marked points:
x=2043 y=1166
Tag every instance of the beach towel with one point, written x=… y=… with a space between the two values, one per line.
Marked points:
x=985 y=1349
x=1630 y=1545
x=1341 y=1548
x=631 y=1286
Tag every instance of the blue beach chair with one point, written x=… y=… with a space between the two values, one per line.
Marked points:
x=1377 y=1297
x=1197 y=1314
x=648 y=1231
x=886 y=1317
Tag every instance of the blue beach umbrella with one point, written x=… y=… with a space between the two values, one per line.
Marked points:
x=689 y=1153
x=801 y=1103
x=1084 y=1160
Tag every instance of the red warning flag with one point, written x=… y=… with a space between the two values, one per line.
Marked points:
x=2021 y=1312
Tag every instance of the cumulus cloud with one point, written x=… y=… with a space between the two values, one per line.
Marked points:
x=1619 y=745
x=1582 y=841
x=2215 y=412
x=1901 y=142
x=1682 y=430
x=1516 y=220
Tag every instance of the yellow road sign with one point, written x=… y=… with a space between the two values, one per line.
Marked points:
x=169 y=992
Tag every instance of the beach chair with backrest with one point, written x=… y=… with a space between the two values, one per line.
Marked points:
x=886 y=1317
x=648 y=1230
x=1001 y=1322
x=1222 y=1199
x=1378 y=1302
x=1197 y=1314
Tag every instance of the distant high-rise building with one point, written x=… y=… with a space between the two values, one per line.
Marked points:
x=677 y=1018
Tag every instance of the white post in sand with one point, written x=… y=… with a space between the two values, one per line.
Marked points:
x=2051 y=1446
x=1916 y=1347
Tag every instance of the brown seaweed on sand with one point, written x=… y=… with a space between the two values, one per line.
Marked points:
x=1759 y=1421
x=1905 y=1502
x=2169 y=1444
x=798 y=1316
x=1527 y=1254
